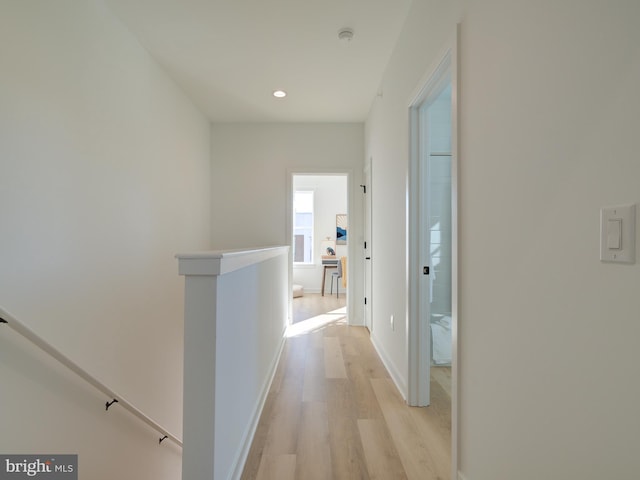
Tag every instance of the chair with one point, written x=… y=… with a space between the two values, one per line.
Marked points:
x=338 y=276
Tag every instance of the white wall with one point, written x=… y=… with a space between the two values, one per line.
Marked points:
x=549 y=116
x=104 y=176
x=387 y=145
x=330 y=198
x=252 y=165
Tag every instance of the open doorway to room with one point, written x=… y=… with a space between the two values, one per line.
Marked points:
x=433 y=243
x=319 y=245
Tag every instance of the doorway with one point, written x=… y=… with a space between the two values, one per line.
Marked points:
x=433 y=231
x=319 y=205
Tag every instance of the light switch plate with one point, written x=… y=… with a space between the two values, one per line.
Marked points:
x=612 y=218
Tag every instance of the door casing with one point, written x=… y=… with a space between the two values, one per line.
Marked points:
x=354 y=315
x=418 y=335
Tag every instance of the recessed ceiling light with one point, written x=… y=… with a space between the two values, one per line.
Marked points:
x=279 y=93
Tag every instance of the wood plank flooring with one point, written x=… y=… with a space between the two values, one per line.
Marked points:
x=311 y=304
x=333 y=412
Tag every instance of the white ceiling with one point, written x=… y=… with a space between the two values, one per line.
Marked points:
x=230 y=55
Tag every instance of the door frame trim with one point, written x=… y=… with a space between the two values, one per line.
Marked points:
x=353 y=318
x=448 y=58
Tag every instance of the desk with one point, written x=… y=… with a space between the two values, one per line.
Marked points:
x=327 y=263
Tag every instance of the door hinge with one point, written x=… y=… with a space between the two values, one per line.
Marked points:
x=425 y=270
x=365 y=300
x=364 y=188
x=365 y=245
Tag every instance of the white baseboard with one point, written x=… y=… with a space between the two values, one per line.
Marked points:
x=326 y=291
x=247 y=437
x=396 y=376
x=311 y=290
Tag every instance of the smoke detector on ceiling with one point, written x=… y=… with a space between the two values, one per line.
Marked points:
x=345 y=34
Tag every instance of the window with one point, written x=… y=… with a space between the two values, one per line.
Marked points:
x=303 y=226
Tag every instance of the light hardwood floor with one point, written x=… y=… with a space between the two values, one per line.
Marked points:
x=333 y=412
x=313 y=304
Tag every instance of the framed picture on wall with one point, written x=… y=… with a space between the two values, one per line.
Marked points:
x=341 y=229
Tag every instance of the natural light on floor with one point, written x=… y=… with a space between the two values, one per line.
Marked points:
x=315 y=323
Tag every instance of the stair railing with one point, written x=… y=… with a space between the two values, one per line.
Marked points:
x=22 y=329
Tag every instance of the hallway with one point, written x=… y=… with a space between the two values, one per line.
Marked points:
x=333 y=412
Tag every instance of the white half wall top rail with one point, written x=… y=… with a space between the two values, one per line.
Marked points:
x=8 y=319
x=220 y=262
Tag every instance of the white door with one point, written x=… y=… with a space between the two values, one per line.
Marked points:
x=368 y=281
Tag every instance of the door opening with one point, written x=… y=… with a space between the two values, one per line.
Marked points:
x=432 y=232
x=319 y=237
